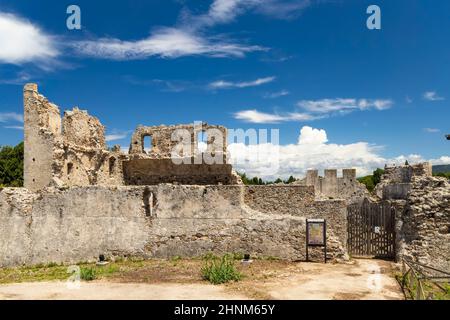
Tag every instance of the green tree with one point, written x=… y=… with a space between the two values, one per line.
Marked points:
x=377 y=176
x=290 y=180
x=372 y=180
x=11 y=166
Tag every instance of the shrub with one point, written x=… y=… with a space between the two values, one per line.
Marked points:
x=88 y=274
x=220 y=270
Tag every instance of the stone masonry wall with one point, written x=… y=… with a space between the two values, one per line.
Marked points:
x=424 y=224
x=79 y=223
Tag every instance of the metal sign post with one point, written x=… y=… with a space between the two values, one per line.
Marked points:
x=316 y=235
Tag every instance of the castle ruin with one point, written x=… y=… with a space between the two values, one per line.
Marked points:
x=82 y=199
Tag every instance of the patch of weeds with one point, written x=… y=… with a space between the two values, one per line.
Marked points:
x=220 y=270
x=175 y=260
x=88 y=274
x=238 y=255
x=51 y=265
x=271 y=258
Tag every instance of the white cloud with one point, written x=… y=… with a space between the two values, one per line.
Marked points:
x=165 y=43
x=21 y=41
x=431 y=130
x=310 y=135
x=188 y=38
x=221 y=84
x=10 y=116
x=273 y=95
x=432 y=96
x=116 y=135
x=283 y=9
x=343 y=105
x=314 y=110
x=226 y=11
x=14 y=127
x=313 y=151
x=255 y=116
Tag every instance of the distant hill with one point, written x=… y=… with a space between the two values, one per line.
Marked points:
x=443 y=168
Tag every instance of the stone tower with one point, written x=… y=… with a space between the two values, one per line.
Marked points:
x=42 y=125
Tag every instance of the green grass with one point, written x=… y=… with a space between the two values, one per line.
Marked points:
x=430 y=289
x=220 y=270
x=88 y=274
x=55 y=272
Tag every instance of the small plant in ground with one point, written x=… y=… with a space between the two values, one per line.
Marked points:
x=220 y=270
x=88 y=274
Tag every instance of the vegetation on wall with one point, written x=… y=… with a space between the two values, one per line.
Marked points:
x=372 y=180
x=442 y=174
x=11 y=166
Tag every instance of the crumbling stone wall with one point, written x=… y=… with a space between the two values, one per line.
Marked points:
x=422 y=203
x=64 y=152
x=396 y=181
x=424 y=223
x=79 y=223
x=165 y=138
x=156 y=171
x=72 y=151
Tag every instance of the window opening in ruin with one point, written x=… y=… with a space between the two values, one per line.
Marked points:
x=149 y=202
x=202 y=141
x=69 y=168
x=147 y=144
x=112 y=165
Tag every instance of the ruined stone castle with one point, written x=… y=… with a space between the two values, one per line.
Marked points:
x=82 y=199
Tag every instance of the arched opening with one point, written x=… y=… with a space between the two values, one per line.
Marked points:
x=202 y=141
x=112 y=165
x=69 y=168
x=147 y=144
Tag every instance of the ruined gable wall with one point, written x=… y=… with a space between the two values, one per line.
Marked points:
x=65 y=152
x=174 y=156
x=78 y=224
x=165 y=138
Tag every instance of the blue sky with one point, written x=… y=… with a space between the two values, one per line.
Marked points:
x=285 y=64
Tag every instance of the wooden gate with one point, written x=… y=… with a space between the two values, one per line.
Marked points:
x=371 y=229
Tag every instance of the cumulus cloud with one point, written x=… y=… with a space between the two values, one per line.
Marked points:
x=22 y=42
x=221 y=84
x=432 y=96
x=313 y=151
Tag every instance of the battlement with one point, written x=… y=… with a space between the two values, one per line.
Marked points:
x=332 y=186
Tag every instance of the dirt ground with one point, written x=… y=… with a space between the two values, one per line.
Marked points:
x=362 y=279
